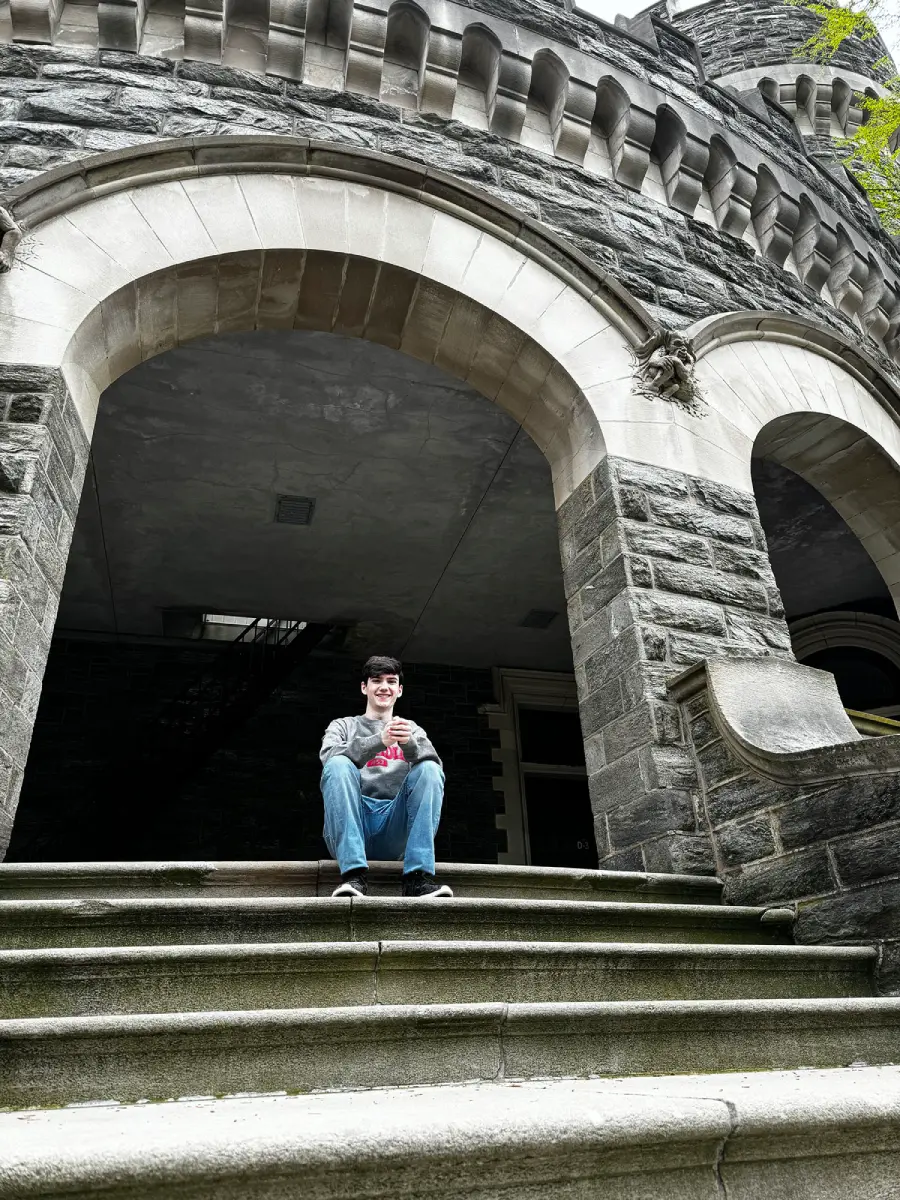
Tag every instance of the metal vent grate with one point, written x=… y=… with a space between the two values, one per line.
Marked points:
x=294 y=510
x=538 y=618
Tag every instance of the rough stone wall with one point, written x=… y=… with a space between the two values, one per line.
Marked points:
x=661 y=570
x=733 y=35
x=43 y=455
x=831 y=851
x=59 y=105
x=257 y=798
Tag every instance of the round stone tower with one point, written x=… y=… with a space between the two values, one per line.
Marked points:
x=622 y=235
x=759 y=45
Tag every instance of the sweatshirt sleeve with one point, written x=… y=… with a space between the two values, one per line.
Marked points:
x=341 y=739
x=419 y=748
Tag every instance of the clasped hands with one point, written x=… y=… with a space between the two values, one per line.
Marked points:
x=397 y=732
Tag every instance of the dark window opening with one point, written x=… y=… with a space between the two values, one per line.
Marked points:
x=551 y=736
x=865 y=680
x=560 y=822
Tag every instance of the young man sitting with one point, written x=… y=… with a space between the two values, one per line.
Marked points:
x=383 y=785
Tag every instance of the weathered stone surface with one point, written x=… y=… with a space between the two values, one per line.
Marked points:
x=723 y=499
x=746 y=841
x=740 y=795
x=679 y=612
x=656 y=812
x=863 y=914
x=786 y=878
x=711 y=585
x=693 y=519
x=666 y=543
x=845 y=807
x=867 y=856
x=651 y=479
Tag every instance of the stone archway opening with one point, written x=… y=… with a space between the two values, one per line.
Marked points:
x=484 y=320
x=829 y=503
x=432 y=537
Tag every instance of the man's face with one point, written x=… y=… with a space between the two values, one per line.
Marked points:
x=382 y=691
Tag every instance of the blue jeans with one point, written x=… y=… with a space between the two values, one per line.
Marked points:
x=358 y=828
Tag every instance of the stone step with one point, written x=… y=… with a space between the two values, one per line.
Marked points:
x=170 y=979
x=201 y=921
x=34 y=881
x=811 y=1135
x=57 y=1061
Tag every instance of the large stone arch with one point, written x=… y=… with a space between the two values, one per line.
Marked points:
x=126 y=256
x=144 y=251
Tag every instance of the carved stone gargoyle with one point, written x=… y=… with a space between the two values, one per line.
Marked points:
x=10 y=236
x=664 y=369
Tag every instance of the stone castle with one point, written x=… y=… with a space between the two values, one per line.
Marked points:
x=558 y=357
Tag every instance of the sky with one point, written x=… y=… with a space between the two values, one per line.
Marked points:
x=608 y=9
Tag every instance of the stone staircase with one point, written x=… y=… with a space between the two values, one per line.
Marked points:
x=503 y=1028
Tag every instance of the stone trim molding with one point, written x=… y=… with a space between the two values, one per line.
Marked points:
x=596 y=110
x=785 y=721
x=58 y=191
x=862 y=630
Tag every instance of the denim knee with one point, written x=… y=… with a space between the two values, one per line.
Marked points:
x=338 y=764
x=429 y=770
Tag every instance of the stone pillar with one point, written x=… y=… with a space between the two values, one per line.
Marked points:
x=661 y=570
x=43 y=456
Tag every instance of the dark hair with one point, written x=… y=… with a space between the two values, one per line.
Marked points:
x=380 y=664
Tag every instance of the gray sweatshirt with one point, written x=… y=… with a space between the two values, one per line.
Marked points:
x=382 y=768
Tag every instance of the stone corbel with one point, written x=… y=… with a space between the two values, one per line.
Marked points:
x=287 y=38
x=365 y=50
x=120 y=24
x=507 y=114
x=814 y=246
x=849 y=271
x=683 y=171
x=204 y=30
x=878 y=300
x=629 y=133
x=35 y=20
x=572 y=124
x=731 y=190
x=440 y=73
x=775 y=216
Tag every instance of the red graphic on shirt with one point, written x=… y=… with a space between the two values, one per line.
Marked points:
x=386 y=757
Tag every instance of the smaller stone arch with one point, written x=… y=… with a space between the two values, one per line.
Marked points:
x=853 y=474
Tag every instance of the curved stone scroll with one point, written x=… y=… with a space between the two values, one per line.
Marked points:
x=785 y=721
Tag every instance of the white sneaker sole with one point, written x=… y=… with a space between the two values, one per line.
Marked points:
x=347 y=889
x=442 y=893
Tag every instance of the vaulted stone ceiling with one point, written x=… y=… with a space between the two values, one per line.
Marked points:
x=434 y=531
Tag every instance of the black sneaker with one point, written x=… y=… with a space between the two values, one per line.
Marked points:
x=353 y=883
x=421 y=885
